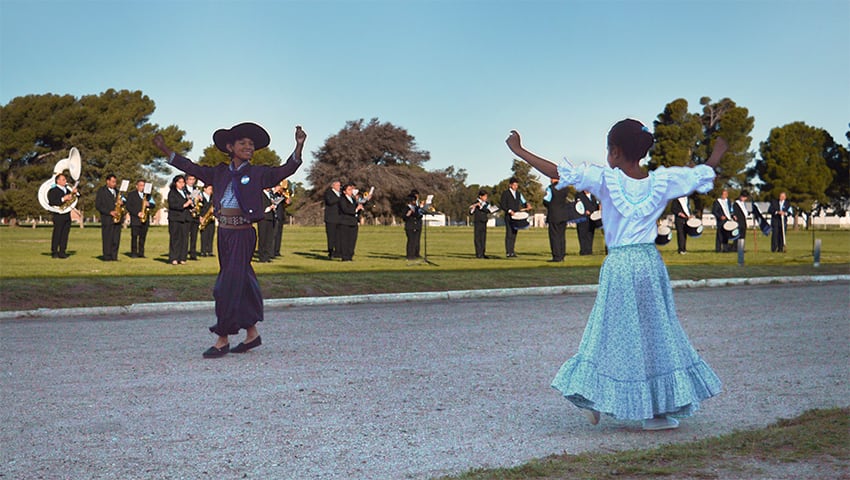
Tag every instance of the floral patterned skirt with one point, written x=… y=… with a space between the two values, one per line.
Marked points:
x=635 y=361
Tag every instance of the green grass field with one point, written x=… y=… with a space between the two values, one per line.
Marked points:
x=379 y=266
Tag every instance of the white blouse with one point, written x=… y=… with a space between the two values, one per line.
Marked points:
x=630 y=207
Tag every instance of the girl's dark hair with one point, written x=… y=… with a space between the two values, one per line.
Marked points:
x=174 y=180
x=632 y=137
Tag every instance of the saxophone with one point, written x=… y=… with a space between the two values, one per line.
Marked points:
x=143 y=213
x=120 y=211
x=206 y=219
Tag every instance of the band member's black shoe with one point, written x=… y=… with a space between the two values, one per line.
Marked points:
x=213 y=352
x=244 y=347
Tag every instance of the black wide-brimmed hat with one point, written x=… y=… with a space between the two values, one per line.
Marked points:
x=258 y=134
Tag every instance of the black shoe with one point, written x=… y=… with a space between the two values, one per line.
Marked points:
x=213 y=352
x=140 y=256
x=55 y=255
x=193 y=257
x=62 y=255
x=555 y=260
x=244 y=347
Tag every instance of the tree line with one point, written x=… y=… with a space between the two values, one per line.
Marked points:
x=113 y=132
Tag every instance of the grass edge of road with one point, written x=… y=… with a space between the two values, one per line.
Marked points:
x=816 y=436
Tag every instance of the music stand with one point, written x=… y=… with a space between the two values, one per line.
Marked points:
x=428 y=209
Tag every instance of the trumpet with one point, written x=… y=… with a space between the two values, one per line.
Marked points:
x=284 y=185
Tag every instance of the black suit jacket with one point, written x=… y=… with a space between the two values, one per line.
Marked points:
x=717 y=211
x=678 y=211
x=509 y=202
x=414 y=220
x=557 y=208
x=177 y=213
x=480 y=213
x=776 y=220
x=134 y=206
x=332 y=206
x=347 y=211
x=104 y=202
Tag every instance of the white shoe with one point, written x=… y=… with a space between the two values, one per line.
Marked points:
x=660 y=423
x=592 y=415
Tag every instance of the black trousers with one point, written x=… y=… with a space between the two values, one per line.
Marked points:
x=138 y=235
x=110 y=236
x=278 y=236
x=721 y=244
x=414 y=237
x=558 y=239
x=265 y=243
x=777 y=239
x=510 y=238
x=584 y=231
x=332 y=232
x=178 y=238
x=347 y=241
x=193 y=225
x=61 y=230
x=207 y=238
x=479 y=237
x=681 y=236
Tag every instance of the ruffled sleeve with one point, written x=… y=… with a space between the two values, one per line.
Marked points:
x=584 y=176
x=685 y=180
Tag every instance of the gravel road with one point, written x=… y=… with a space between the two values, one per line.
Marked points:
x=402 y=390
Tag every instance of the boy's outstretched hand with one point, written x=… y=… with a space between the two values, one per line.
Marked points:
x=514 y=141
x=159 y=143
x=300 y=135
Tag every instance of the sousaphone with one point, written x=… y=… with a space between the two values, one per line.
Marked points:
x=73 y=164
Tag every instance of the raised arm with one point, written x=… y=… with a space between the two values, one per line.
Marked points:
x=720 y=147
x=541 y=164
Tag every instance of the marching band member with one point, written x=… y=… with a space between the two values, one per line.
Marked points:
x=681 y=215
x=779 y=211
x=179 y=207
x=480 y=212
x=586 y=229
x=194 y=215
x=57 y=196
x=265 y=228
x=283 y=199
x=238 y=199
x=739 y=213
x=721 y=211
x=349 y=210
x=556 y=205
x=331 y=199
x=512 y=202
x=105 y=202
x=413 y=227
x=138 y=219
x=208 y=232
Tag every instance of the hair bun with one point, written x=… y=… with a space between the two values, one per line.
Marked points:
x=633 y=137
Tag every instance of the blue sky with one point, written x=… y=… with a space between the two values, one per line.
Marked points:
x=457 y=74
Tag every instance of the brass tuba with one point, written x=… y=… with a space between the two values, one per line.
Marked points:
x=73 y=164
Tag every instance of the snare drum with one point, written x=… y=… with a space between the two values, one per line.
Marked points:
x=664 y=235
x=596 y=218
x=730 y=230
x=693 y=227
x=519 y=221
